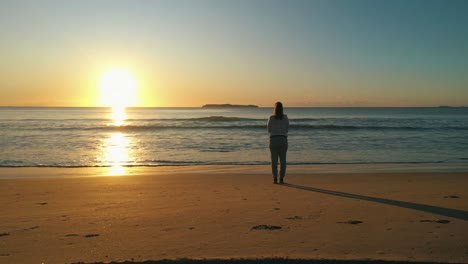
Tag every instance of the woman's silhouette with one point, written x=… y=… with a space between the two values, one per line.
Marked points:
x=278 y=126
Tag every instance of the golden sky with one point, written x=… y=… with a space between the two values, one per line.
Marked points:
x=190 y=53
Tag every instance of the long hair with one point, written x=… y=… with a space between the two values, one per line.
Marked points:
x=279 y=111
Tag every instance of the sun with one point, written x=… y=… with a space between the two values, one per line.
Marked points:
x=118 y=88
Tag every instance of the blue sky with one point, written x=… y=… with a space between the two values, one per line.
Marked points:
x=188 y=53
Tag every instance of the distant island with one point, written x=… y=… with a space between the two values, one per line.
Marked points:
x=230 y=105
x=448 y=106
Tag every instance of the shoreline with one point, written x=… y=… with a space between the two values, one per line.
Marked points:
x=60 y=172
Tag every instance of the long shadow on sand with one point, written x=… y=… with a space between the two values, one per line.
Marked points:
x=459 y=214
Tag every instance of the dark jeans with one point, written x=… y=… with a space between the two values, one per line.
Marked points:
x=278 y=148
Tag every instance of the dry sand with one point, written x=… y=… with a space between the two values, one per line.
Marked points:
x=211 y=211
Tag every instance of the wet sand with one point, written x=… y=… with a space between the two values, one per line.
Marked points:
x=226 y=212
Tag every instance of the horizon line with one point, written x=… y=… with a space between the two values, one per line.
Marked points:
x=29 y=106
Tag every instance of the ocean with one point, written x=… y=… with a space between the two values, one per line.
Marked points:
x=98 y=137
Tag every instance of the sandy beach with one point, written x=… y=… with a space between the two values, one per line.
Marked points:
x=224 y=212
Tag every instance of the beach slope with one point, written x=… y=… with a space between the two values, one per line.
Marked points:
x=211 y=212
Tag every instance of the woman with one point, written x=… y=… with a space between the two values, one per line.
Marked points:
x=278 y=126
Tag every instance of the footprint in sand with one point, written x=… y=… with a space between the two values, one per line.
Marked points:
x=91 y=235
x=266 y=227
x=31 y=228
x=351 y=222
x=442 y=221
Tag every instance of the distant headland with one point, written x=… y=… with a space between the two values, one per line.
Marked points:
x=230 y=106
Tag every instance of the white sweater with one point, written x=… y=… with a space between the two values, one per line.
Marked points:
x=278 y=127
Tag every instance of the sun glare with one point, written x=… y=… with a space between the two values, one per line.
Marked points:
x=118 y=89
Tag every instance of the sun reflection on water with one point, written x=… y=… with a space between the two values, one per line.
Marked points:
x=116 y=153
x=118 y=116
